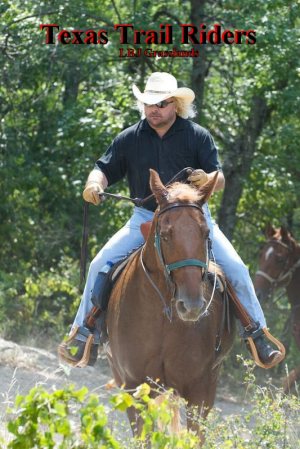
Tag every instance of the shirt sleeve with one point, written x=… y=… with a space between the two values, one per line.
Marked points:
x=112 y=162
x=207 y=152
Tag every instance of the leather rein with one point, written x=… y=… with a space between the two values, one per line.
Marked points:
x=139 y=202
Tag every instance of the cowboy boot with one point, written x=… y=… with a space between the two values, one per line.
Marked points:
x=81 y=347
x=255 y=337
x=266 y=353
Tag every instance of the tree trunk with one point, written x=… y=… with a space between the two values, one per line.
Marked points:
x=200 y=65
x=237 y=164
x=72 y=78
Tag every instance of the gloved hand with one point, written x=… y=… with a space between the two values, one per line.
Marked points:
x=92 y=192
x=94 y=187
x=198 y=177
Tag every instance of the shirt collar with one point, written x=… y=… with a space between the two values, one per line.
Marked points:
x=177 y=126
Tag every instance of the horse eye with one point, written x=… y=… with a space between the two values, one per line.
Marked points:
x=205 y=233
x=164 y=237
x=280 y=260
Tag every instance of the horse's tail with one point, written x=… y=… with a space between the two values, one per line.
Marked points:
x=173 y=403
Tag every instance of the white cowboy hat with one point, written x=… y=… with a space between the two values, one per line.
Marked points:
x=159 y=87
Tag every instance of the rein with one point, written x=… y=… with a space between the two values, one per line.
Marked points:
x=139 y=202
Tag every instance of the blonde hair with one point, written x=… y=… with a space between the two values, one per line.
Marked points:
x=183 y=109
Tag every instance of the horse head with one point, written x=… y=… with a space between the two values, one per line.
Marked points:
x=181 y=242
x=275 y=262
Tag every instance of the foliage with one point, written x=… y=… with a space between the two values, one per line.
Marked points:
x=269 y=71
x=48 y=420
x=76 y=419
x=39 y=305
x=61 y=106
x=269 y=419
x=46 y=416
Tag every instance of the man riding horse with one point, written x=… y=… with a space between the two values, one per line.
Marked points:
x=166 y=141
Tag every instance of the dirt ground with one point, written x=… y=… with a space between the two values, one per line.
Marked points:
x=23 y=367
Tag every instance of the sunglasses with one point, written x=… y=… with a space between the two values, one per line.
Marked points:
x=161 y=104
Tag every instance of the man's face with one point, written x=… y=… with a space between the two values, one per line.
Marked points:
x=161 y=117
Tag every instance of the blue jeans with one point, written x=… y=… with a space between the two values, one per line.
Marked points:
x=130 y=236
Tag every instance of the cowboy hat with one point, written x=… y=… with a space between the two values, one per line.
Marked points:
x=159 y=87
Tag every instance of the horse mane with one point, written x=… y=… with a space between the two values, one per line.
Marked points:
x=183 y=193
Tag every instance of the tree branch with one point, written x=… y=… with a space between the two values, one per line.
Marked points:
x=29 y=17
x=165 y=12
x=116 y=11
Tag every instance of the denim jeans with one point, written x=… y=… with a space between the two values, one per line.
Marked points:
x=130 y=236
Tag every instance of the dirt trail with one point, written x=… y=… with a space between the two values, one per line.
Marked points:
x=23 y=367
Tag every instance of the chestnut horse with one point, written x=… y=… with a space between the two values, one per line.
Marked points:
x=164 y=318
x=279 y=267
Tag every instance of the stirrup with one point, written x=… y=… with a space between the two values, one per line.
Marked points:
x=276 y=342
x=84 y=360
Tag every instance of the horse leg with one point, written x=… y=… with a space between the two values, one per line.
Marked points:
x=200 y=401
x=116 y=376
x=135 y=421
x=195 y=415
x=290 y=380
x=294 y=375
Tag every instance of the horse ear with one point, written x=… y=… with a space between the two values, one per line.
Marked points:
x=207 y=189
x=270 y=231
x=285 y=235
x=158 y=189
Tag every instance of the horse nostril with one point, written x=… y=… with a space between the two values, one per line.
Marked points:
x=181 y=307
x=190 y=310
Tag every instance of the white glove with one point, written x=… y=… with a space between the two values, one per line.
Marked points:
x=198 y=177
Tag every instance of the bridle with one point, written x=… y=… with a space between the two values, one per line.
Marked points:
x=168 y=268
x=285 y=276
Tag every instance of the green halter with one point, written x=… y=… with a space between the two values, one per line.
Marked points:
x=181 y=263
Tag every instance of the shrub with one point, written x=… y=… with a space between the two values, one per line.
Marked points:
x=39 y=305
x=77 y=419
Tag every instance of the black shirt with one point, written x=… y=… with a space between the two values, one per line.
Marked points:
x=138 y=148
